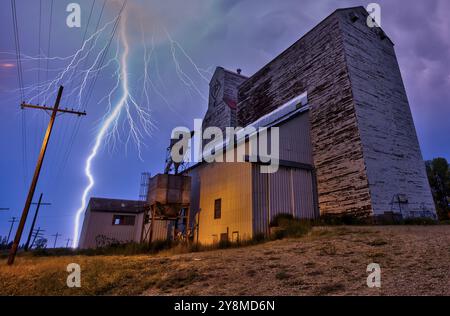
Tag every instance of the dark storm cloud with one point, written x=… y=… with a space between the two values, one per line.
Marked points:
x=231 y=33
x=260 y=30
x=422 y=37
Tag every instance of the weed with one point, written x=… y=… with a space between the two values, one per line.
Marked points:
x=282 y=275
x=328 y=250
x=330 y=288
x=178 y=279
x=377 y=243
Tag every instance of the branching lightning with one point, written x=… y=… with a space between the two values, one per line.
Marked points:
x=109 y=127
x=82 y=68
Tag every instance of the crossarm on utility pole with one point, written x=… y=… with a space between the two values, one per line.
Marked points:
x=23 y=218
x=46 y=108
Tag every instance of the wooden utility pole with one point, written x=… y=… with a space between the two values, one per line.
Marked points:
x=38 y=233
x=12 y=221
x=55 y=110
x=68 y=241
x=56 y=238
x=38 y=205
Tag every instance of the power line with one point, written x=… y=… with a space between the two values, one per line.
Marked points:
x=38 y=205
x=55 y=110
x=22 y=96
x=93 y=81
x=48 y=44
x=38 y=122
x=75 y=125
x=17 y=44
x=12 y=221
x=70 y=96
x=105 y=52
x=38 y=233
x=78 y=121
x=48 y=54
x=39 y=53
x=91 y=43
x=82 y=42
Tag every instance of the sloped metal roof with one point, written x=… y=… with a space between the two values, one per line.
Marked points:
x=116 y=206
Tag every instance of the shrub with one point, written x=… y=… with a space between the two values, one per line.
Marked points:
x=282 y=275
x=258 y=238
x=297 y=228
x=280 y=217
x=285 y=225
x=160 y=245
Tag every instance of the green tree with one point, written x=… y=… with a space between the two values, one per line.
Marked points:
x=439 y=178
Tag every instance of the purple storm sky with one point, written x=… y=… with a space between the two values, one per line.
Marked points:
x=230 y=33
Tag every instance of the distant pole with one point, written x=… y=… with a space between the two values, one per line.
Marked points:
x=36 y=234
x=68 y=242
x=12 y=221
x=39 y=203
x=37 y=171
x=56 y=238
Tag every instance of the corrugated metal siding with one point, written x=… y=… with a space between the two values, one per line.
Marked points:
x=260 y=196
x=195 y=195
x=304 y=194
x=231 y=182
x=289 y=191
x=160 y=232
x=295 y=139
x=280 y=192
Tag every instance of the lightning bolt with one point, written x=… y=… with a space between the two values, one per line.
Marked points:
x=109 y=122
x=80 y=69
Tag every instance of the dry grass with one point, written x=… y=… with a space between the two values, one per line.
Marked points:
x=329 y=261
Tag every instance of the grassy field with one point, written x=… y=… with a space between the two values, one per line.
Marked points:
x=414 y=260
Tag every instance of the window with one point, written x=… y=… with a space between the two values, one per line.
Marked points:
x=123 y=220
x=218 y=209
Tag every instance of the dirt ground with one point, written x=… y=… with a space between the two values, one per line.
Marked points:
x=414 y=260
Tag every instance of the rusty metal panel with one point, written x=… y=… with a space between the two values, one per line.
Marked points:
x=161 y=231
x=169 y=189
